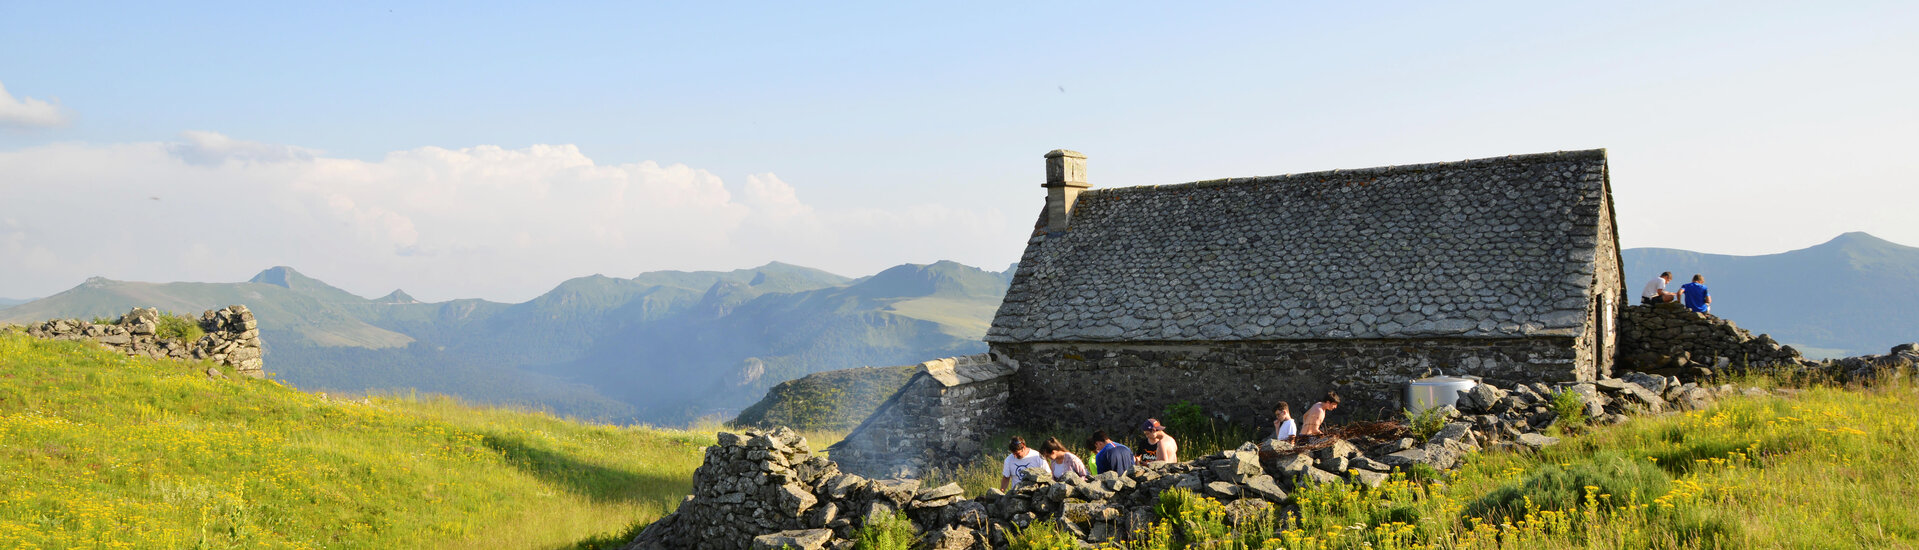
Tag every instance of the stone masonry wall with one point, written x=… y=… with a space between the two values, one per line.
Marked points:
x=936 y=421
x=1115 y=386
x=1670 y=340
x=232 y=337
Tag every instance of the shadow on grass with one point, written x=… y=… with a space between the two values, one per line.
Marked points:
x=600 y=483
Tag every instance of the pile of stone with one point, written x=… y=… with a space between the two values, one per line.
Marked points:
x=1670 y=340
x=232 y=338
x=764 y=490
x=1868 y=369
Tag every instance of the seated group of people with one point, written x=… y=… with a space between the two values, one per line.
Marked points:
x=1158 y=446
x=1693 y=295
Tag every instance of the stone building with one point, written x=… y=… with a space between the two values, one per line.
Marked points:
x=1236 y=293
x=935 y=421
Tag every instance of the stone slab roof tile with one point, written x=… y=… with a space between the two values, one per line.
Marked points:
x=1498 y=247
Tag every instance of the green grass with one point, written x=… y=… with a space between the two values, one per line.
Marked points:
x=101 y=450
x=1826 y=468
x=179 y=328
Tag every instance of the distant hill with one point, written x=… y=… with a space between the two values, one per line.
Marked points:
x=1853 y=295
x=8 y=302
x=661 y=347
x=831 y=400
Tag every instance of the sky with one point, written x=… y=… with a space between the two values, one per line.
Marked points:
x=481 y=150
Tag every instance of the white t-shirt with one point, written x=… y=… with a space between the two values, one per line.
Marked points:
x=1286 y=429
x=1069 y=463
x=1653 y=288
x=1015 y=463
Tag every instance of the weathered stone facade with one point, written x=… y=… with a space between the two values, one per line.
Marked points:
x=232 y=337
x=1670 y=340
x=1114 y=386
x=935 y=421
x=1236 y=293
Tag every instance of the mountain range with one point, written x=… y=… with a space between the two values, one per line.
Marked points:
x=1855 y=294
x=661 y=347
x=673 y=346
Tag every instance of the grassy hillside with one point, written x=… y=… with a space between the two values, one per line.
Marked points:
x=1849 y=296
x=105 y=451
x=662 y=347
x=723 y=353
x=831 y=400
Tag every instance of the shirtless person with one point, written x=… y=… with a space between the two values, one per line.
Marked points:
x=1316 y=414
x=1159 y=447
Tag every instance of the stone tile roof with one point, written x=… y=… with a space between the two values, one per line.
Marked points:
x=1496 y=247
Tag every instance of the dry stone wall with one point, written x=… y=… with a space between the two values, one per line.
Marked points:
x=767 y=490
x=232 y=337
x=1670 y=340
x=936 y=421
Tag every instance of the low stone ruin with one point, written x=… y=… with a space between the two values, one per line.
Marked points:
x=1670 y=340
x=1867 y=369
x=232 y=338
x=765 y=490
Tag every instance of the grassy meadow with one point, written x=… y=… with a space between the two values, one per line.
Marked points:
x=100 y=450
x=1821 y=467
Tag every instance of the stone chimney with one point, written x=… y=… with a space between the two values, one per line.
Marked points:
x=1065 y=178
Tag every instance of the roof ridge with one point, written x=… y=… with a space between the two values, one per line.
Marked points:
x=1587 y=154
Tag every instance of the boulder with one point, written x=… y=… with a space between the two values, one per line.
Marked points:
x=1368 y=478
x=1264 y=487
x=1220 y=490
x=1535 y=441
x=1238 y=466
x=801 y=539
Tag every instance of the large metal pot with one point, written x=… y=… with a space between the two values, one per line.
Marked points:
x=1435 y=391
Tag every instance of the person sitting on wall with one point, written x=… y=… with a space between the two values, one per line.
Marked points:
x=1284 y=429
x=1021 y=458
x=1695 y=296
x=1110 y=456
x=1316 y=414
x=1159 y=447
x=1655 y=292
x=1064 y=461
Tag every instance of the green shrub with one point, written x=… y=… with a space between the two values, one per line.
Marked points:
x=1424 y=423
x=1551 y=487
x=179 y=327
x=1570 y=408
x=892 y=532
x=99 y=320
x=1042 y=535
x=1186 y=418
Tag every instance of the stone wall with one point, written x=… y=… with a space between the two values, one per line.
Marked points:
x=936 y=421
x=1670 y=340
x=232 y=337
x=1115 y=386
x=766 y=490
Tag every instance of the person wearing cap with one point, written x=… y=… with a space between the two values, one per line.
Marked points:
x=1159 y=447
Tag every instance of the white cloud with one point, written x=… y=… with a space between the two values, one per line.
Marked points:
x=482 y=221
x=27 y=112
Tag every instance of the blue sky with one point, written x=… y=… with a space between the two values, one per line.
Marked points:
x=410 y=144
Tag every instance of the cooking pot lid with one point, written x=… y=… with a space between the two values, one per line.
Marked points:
x=1436 y=380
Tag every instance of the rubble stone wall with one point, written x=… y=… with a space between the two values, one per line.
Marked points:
x=232 y=337
x=1115 y=386
x=1670 y=340
x=767 y=490
x=936 y=421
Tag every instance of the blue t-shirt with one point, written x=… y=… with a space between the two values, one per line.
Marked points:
x=1114 y=458
x=1695 y=294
